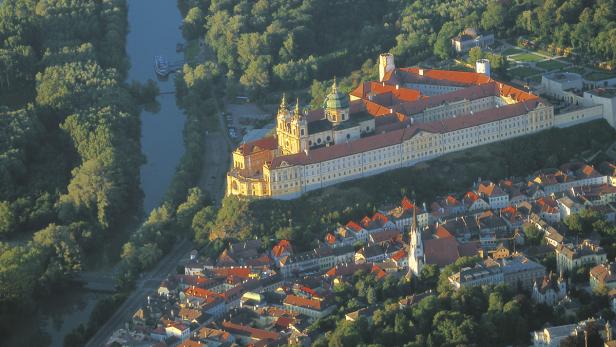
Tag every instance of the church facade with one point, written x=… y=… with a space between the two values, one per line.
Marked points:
x=408 y=116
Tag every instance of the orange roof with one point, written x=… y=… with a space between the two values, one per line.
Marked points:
x=299 y=301
x=242 y=272
x=255 y=333
x=471 y=196
x=460 y=77
x=378 y=272
x=442 y=233
x=380 y=218
x=406 y=204
x=398 y=255
x=200 y=292
x=354 y=226
x=330 y=238
x=263 y=144
x=281 y=247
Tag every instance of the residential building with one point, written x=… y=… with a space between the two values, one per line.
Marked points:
x=569 y=257
x=470 y=38
x=495 y=196
x=476 y=276
x=603 y=276
x=314 y=308
x=551 y=290
x=518 y=270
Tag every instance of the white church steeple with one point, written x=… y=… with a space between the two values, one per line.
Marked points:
x=416 y=253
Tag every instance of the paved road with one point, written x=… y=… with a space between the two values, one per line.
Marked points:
x=216 y=162
x=145 y=285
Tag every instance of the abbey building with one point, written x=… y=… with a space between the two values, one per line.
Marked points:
x=408 y=116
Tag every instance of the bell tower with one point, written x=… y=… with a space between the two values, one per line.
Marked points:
x=416 y=252
x=291 y=129
x=299 y=129
x=337 y=105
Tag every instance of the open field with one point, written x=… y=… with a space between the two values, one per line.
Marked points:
x=523 y=72
x=527 y=57
x=512 y=51
x=550 y=65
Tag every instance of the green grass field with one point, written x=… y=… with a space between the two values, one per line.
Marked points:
x=550 y=65
x=526 y=57
x=512 y=51
x=598 y=75
x=523 y=72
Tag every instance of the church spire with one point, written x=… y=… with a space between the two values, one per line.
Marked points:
x=335 y=86
x=297 y=108
x=283 y=102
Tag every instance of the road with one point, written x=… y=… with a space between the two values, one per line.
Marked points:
x=216 y=162
x=148 y=283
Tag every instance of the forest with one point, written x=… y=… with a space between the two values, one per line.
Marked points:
x=270 y=45
x=69 y=143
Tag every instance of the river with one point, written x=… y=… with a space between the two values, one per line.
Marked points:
x=154 y=30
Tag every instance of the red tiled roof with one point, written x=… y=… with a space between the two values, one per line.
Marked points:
x=263 y=144
x=281 y=247
x=246 y=330
x=398 y=255
x=299 y=301
x=242 y=272
x=200 y=292
x=459 y=77
x=441 y=252
x=442 y=233
x=378 y=272
x=330 y=238
x=354 y=226
x=284 y=322
x=406 y=204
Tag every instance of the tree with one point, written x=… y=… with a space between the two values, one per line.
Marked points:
x=454 y=328
x=442 y=46
x=7 y=219
x=474 y=54
x=494 y=16
x=256 y=76
x=186 y=211
x=534 y=236
x=202 y=223
x=194 y=23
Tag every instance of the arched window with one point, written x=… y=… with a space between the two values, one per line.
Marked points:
x=302 y=132
x=348 y=136
x=319 y=140
x=310 y=143
x=329 y=138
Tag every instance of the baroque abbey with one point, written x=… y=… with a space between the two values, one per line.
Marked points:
x=408 y=116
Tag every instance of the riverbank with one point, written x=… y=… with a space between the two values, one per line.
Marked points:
x=203 y=147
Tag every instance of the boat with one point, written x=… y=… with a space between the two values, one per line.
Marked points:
x=161 y=66
x=179 y=47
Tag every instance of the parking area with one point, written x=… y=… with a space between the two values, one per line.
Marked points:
x=242 y=118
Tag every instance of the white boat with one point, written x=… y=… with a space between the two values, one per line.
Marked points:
x=161 y=66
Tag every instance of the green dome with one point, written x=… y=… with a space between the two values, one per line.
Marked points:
x=336 y=99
